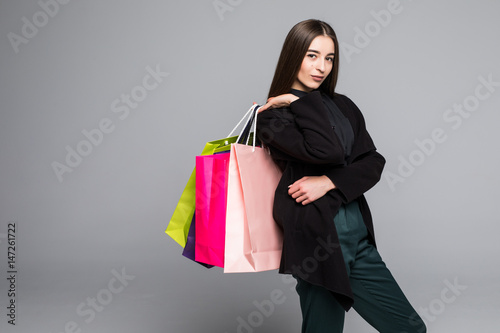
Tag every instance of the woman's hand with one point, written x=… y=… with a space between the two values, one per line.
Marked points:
x=309 y=189
x=279 y=101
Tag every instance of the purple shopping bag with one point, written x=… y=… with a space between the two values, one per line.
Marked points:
x=189 y=249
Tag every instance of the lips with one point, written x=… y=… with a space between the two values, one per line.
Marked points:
x=317 y=78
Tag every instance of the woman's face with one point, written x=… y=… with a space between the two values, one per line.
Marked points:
x=317 y=64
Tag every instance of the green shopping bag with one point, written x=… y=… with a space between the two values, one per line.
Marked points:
x=180 y=222
x=178 y=227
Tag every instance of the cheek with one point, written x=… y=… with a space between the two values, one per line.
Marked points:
x=305 y=67
x=330 y=67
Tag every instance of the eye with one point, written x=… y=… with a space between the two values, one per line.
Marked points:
x=311 y=55
x=330 y=58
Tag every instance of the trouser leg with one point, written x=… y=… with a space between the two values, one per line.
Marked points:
x=321 y=313
x=378 y=298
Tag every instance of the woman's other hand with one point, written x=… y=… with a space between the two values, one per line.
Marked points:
x=279 y=102
x=309 y=189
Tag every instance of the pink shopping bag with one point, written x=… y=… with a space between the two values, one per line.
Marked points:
x=253 y=239
x=210 y=208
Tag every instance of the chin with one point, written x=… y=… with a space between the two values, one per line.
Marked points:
x=314 y=86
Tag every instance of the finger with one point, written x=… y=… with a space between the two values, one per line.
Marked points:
x=295 y=189
x=297 y=182
x=295 y=194
x=307 y=200
x=302 y=199
x=301 y=180
x=292 y=188
x=263 y=108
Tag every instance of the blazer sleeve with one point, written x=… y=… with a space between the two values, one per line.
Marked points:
x=354 y=179
x=301 y=132
x=365 y=165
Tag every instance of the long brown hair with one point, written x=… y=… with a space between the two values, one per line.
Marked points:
x=294 y=49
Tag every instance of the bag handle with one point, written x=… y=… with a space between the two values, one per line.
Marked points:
x=245 y=131
x=257 y=108
x=251 y=121
x=241 y=120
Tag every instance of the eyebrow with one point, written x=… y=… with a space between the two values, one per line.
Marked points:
x=314 y=51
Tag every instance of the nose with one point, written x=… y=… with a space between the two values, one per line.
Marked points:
x=320 y=65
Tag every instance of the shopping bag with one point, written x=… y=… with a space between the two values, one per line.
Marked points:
x=180 y=222
x=211 y=187
x=178 y=227
x=189 y=249
x=253 y=240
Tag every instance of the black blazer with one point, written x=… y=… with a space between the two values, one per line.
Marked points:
x=302 y=141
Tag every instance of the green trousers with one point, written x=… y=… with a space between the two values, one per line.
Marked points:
x=377 y=297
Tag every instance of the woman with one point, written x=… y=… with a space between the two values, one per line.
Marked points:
x=319 y=140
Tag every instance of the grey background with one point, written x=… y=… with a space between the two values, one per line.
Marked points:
x=439 y=226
